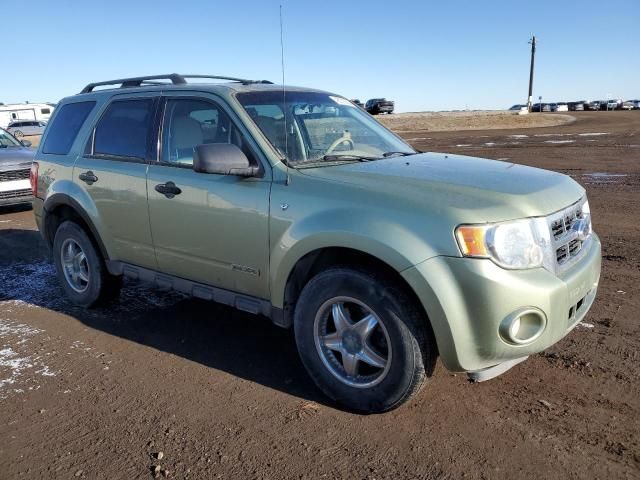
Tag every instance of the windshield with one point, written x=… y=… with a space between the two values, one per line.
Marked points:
x=7 y=140
x=320 y=128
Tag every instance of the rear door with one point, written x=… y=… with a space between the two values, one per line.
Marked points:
x=113 y=172
x=215 y=230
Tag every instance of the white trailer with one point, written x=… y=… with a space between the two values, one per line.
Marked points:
x=25 y=111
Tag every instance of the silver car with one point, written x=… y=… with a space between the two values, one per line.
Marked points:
x=15 y=165
x=20 y=128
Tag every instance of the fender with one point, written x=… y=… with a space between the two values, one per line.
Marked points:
x=85 y=208
x=390 y=242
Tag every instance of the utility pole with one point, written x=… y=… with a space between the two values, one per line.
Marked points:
x=533 y=55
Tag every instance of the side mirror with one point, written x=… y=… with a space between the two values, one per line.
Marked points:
x=26 y=143
x=223 y=159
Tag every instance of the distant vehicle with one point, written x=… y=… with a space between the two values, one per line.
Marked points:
x=518 y=108
x=541 y=107
x=15 y=165
x=628 y=105
x=576 y=106
x=561 y=107
x=26 y=127
x=636 y=104
x=593 y=106
x=614 y=105
x=25 y=111
x=357 y=102
x=379 y=105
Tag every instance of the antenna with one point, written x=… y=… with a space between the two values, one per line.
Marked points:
x=284 y=102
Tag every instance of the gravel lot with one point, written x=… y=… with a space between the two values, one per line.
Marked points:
x=222 y=394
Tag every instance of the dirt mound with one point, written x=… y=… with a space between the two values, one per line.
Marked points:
x=483 y=120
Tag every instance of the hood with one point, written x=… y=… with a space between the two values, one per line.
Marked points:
x=12 y=157
x=476 y=189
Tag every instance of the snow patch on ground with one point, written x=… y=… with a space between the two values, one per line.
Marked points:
x=559 y=141
x=553 y=134
x=15 y=364
x=36 y=284
x=595 y=134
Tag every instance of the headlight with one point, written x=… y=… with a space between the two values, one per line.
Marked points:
x=514 y=245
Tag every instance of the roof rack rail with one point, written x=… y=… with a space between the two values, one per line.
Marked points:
x=176 y=79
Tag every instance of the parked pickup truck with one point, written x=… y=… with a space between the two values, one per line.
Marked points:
x=375 y=106
x=309 y=212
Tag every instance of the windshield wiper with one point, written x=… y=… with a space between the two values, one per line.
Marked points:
x=347 y=156
x=400 y=154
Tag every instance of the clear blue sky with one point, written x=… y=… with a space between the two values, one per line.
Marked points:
x=426 y=55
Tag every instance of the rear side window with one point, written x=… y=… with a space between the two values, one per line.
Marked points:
x=65 y=127
x=123 y=130
x=45 y=111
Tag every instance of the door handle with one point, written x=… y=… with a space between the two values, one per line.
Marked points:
x=168 y=189
x=88 y=177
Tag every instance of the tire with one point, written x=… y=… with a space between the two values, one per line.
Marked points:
x=18 y=134
x=402 y=342
x=98 y=286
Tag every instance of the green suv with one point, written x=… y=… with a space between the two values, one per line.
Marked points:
x=296 y=205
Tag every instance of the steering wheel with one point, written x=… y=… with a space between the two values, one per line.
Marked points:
x=345 y=138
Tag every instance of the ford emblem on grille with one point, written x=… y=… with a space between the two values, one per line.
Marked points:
x=582 y=228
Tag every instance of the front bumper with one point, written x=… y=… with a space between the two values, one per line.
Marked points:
x=467 y=299
x=15 y=192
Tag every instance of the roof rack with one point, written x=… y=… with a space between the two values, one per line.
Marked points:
x=176 y=79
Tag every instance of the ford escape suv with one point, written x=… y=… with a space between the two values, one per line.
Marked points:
x=296 y=205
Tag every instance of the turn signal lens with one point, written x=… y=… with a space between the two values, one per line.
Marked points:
x=472 y=240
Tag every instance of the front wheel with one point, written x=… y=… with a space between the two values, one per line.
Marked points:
x=362 y=340
x=18 y=134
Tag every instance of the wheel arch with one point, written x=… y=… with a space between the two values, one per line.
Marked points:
x=323 y=258
x=61 y=207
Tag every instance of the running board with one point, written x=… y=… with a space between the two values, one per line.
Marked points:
x=492 y=372
x=246 y=303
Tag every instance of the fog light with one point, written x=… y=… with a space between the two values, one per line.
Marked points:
x=523 y=326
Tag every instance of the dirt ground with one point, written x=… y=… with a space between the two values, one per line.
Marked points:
x=476 y=120
x=222 y=394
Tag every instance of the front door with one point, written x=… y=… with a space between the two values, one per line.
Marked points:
x=213 y=228
x=113 y=173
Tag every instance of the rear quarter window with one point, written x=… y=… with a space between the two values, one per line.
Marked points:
x=65 y=127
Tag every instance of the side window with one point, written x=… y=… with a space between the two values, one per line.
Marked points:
x=124 y=128
x=189 y=123
x=65 y=127
x=45 y=111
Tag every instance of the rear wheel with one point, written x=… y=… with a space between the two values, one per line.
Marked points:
x=81 y=268
x=363 y=341
x=18 y=134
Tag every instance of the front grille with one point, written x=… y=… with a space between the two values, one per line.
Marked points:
x=14 y=175
x=566 y=245
x=25 y=192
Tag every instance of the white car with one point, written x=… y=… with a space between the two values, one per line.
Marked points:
x=561 y=107
x=519 y=108
x=20 y=128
